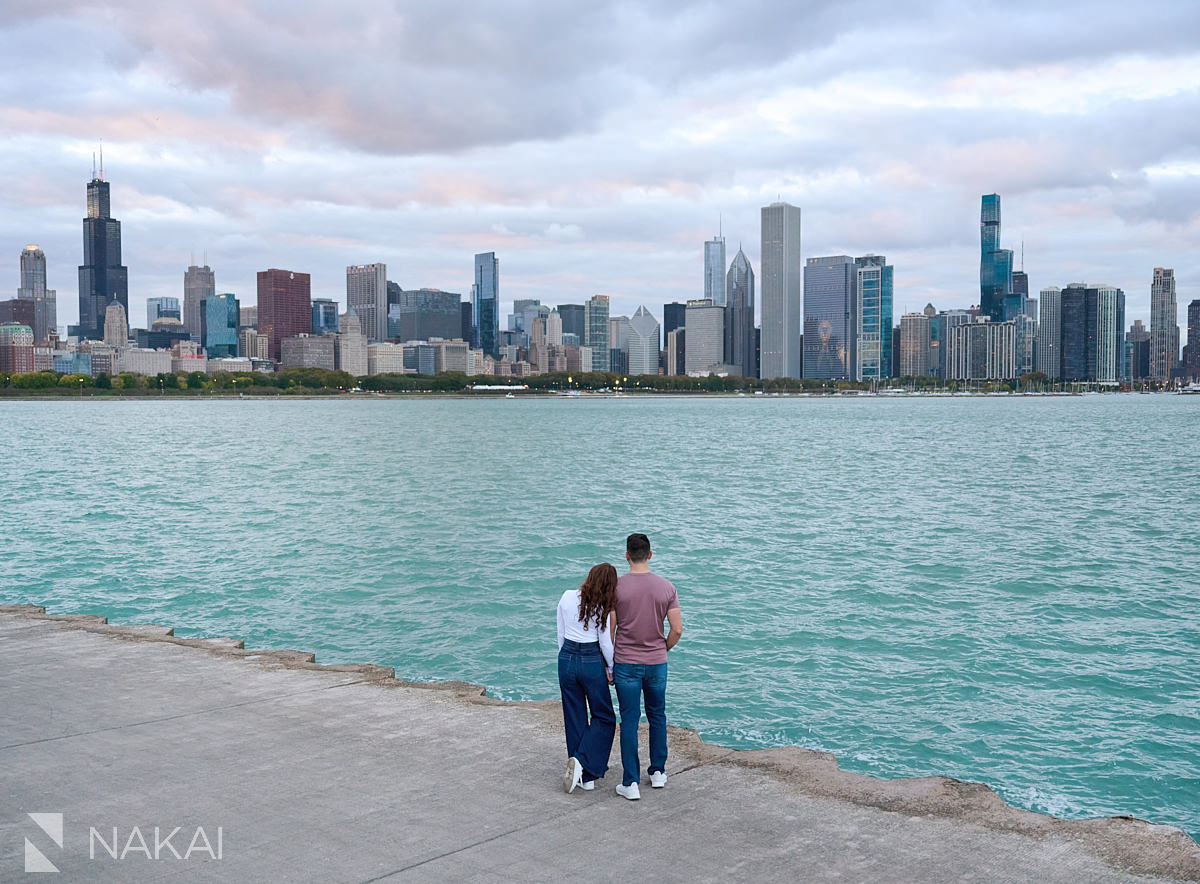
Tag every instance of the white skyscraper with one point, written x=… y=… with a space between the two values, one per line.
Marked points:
x=350 y=346
x=782 y=288
x=1164 y=326
x=1049 y=333
x=366 y=296
x=714 y=270
x=642 y=343
x=704 y=341
x=116 y=325
x=554 y=329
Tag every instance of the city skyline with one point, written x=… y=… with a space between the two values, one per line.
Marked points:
x=220 y=154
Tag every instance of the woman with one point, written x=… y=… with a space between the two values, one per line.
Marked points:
x=585 y=659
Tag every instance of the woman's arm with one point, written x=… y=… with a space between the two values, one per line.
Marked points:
x=562 y=627
x=606 y=640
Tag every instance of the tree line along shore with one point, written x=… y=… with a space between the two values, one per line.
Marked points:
x=316 y=381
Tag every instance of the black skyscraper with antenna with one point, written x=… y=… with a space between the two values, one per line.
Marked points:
x=102 y=277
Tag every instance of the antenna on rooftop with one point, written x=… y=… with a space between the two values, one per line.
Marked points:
x=93 y=165
x=101 y=159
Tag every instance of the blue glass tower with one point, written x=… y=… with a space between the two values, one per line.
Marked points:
x=219 y=325
x=485 y=296
x=874 y=346
x=995 y=263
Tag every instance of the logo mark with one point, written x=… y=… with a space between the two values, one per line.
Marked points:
x=52 y=825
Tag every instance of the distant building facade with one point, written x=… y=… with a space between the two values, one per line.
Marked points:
x=102 y=277
x=33 y=289
x=284 y=306
x=219 y=316
x=739 y=316
x=830 y=318
x=324 y=316
x=1164 y=326
x=782 y=292
x=485 y=298
x=307 y=351
x=198 y=283
x=366 y=296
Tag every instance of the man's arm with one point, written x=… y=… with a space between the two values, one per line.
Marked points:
x=675 y=619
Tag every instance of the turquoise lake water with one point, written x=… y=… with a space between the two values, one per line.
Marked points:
x=996 y=589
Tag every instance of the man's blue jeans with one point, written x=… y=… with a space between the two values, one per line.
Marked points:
x=632 y=680
x=584 y=688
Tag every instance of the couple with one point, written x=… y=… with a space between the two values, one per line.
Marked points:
x=610 y=632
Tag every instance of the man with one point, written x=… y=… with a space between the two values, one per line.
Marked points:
x=640 y=662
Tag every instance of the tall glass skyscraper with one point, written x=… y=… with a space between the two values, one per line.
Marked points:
x=874 y=307
x=485 y=296
x=595 y=330
x=219 y=325
x=1092 y=321
x=782 y=292
x=995 y=263
x=325 y=316
x=1049 y=333
x=830 y=317
x=739 y=320
x=714 y=270
x=102 y=277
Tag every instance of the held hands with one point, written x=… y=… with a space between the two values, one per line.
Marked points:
x=608 y=673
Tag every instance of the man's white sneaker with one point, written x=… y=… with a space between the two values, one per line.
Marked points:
x=573 y=776
x=658 y=779
x=588 y=786
x=632 y=792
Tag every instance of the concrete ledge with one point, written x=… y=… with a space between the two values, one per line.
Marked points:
x=1124 y=845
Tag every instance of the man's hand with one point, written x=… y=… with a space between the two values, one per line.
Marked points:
x=608 y=672
x=675 y=618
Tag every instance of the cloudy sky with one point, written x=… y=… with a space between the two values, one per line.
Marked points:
x=594 y=149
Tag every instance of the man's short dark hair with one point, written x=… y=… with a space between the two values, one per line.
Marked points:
x=637 y=546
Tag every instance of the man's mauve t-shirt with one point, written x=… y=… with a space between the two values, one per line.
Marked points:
x=642 y=603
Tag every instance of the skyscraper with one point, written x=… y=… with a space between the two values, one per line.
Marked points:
x=995 y=263
x=116 y=325
x=1164 y=326
x=572 y=320
x=485 y=296
x=782 y=291
x=714 y=270
x=674 y=316
x=1137 y=351
x=914 y=345
x=284 y=306
x=1092 y=332
x=366 y=296
x=350 y=346
x=198 y=283
x=873 y=346
x=219 y=325
x=157 y=308
x=642 y=344
x=739 y=321
x=102 y=277
x=595 y=330
x=705 y=350
x=33 y=288
x=425 y=313
x=830 y=317
x=1049 y=333
x=325 y=316
x=1191 y=353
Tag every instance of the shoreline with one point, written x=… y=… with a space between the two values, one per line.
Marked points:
x=1131 y=844
x=584 y=395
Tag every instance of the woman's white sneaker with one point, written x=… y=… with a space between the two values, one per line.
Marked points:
x=573 y=776
x=658 y=779
x=632 y=792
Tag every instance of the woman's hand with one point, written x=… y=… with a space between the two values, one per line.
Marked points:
x=608 y=672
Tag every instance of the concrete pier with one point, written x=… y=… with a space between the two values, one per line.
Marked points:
x=286 y=770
